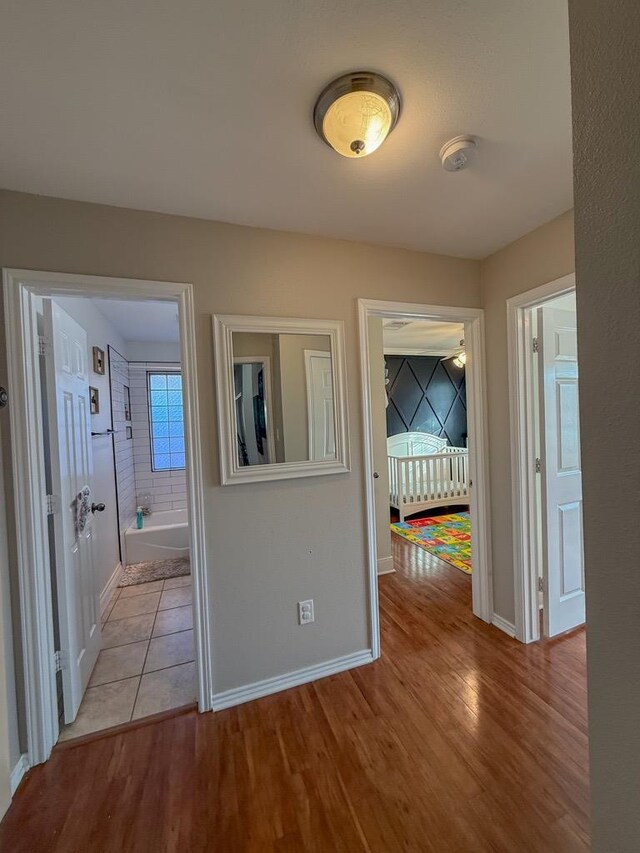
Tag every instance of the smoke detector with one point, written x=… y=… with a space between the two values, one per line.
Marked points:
x=455 y=153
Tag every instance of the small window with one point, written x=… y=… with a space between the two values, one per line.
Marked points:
x=166 y=421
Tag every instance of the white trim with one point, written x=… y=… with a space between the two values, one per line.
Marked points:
x=519 y=358
x=249 y=692
x=473 y=318
x=503 y=625
x=20 y=288
x=385 y=565
x=107 y=592
x=224 y=327
x=437 y=353
x=18 y=772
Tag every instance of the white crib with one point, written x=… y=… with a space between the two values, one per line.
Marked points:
x=424 y=472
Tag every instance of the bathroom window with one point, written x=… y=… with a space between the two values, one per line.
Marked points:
x=166 y=421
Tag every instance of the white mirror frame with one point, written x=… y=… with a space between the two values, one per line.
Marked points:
x=224 y=327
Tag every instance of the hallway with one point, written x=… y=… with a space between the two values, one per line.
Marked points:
x=458 y=739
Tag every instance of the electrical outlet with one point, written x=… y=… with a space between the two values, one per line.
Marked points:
x=305 y=612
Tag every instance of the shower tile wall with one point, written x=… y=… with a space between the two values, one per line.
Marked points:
x=168 y=489
x=125 y=473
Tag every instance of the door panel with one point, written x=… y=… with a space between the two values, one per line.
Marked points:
x=568 y=425
x=570 y=529
x=563 y=562
x=72 y=467
x=322 y=437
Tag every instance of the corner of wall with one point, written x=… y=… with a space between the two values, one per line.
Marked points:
x=543 y=255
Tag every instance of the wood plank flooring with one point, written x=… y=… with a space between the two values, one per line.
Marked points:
x=458 y=740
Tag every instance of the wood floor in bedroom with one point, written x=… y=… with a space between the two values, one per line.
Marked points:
x=458 y=739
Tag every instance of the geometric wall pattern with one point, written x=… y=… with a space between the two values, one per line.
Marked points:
x=427 y=395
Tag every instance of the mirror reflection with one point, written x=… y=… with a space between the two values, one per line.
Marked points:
x=284 y=402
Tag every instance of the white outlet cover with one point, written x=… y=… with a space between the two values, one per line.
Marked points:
x=305 y=612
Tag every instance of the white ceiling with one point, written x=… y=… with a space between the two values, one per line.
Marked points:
x=205 y=109
x=421 y=337
x=142 y=321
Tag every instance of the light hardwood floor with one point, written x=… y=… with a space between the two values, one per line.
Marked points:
x=459 y=740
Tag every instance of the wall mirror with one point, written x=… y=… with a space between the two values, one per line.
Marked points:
x=281 y=398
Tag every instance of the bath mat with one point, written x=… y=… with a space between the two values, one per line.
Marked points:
x=154 y=570
x=446 y=536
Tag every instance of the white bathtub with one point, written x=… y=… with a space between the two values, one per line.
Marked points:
x=164 y=536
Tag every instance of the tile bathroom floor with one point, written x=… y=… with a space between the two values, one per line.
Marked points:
x=147 y=661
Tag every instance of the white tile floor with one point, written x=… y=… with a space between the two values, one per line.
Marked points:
x=147 y=660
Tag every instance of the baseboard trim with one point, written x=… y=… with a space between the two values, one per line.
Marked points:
x=385 y=566
x=239 y=695
x=17 y=774
x=503 y=625
x=107 y=592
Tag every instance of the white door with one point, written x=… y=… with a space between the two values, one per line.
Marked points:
x=322 y=434
x=562 y=552
x=71 y=475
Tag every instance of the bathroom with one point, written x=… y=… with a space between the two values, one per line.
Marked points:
x=142 y=660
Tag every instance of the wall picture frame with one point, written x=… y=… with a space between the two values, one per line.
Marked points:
x=98 y=361
x=94 y=400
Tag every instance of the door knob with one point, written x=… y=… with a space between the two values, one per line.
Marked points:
x=97 y=508
x=375 y=475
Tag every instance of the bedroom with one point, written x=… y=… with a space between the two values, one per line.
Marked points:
x=419 y=415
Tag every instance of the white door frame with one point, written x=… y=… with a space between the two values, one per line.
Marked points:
x=20 y=289
x=523 y=474
x=473 y=319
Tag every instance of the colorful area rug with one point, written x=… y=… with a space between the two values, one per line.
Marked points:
x=154 y=570
x=446 y=536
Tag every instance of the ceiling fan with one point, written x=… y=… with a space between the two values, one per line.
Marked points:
x=458 y=355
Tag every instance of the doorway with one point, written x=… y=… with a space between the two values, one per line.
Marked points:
x=546 y=464
x=99 y=459
x=459 y=480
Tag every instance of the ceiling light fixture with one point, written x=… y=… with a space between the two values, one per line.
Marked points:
x=461 y=358
x=458 y=356
x=356 y=112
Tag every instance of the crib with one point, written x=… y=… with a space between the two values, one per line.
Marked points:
x=424 y=472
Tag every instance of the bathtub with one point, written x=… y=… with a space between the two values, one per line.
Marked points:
x=164 y=536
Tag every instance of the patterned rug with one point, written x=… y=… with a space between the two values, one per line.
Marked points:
x=446 y=536
x=154 y=570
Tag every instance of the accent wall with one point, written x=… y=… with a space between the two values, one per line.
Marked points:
x=427 y=394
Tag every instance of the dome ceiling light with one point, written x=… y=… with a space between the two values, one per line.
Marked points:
x=356 y=112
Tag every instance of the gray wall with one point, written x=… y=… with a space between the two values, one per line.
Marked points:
x=9 y=736
x=537 y=258
x=269 y=545
x=605 y=68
